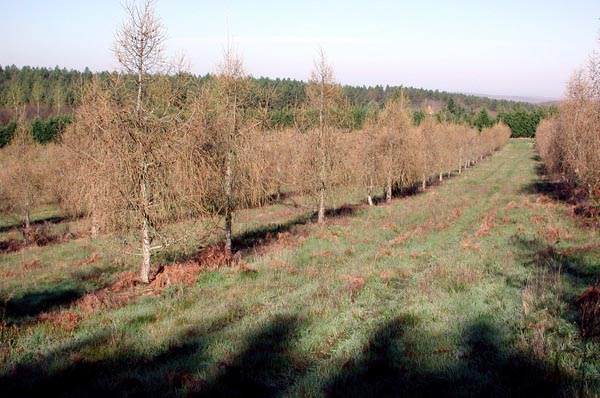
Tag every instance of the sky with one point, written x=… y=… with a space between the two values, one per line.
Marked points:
x=510 y=48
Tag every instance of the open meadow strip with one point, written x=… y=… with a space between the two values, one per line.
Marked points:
x=469 y=288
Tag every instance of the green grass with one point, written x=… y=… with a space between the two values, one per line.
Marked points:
x=476 y=298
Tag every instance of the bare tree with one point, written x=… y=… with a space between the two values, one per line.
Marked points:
x=23 y=176
x=230 y=87
x=139 y=49
x=139 y=43
x=398 y=144
x=128 y=147
x=59 y=96
x=325 y=97
x=37 y=93
x=15 y=97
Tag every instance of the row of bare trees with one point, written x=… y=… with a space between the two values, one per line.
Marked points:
x=569 y=142
x=143 y=156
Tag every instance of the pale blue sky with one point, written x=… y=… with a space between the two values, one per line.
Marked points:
x=512 y=47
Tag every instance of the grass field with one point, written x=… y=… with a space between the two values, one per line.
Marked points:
x=468 y=289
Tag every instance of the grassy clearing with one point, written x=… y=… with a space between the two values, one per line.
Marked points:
x=467 y=289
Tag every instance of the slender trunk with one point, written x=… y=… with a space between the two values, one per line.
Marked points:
x=321 y=215
x=229 y=177
x=138 y=106
x=94 y=225
x=323 y=160
x=388 y=191
x=424 y=185
x=278 y=183
x=228 y=202
x=94 y=230
x=441 y=176
x=26 y=227
x=370 y=192
x=146 y=240
x=38 y=107
x=146 y=252
x=26 y=219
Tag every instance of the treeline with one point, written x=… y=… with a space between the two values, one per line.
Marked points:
x=146 y=149
x=569 y=142
x=28 y=93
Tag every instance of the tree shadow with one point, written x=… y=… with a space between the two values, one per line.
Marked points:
x=345 y=210
x=260 y=238
x=391 y=367
x=34 y=303
x=18 y=224
x=62 y=294
x=264 y=235
x=268 y=365
x=565 y=192
x=572 y=262
x=264 y=367
x=556 y=190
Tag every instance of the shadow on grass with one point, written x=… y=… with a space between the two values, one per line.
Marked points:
x=575 y=263
x=265 y=368
x=59 y=295
x=34 y=303
x=556 y=190
x=563 y=191
x=264 y=235
x=390 y=367
x=266 y=365
x=45 y=220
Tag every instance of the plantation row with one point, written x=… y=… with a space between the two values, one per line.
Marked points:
x=140 y=158
x=569 y=143
x=127 y=172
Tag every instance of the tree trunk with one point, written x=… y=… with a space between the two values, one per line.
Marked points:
x=26 y=228
x=370 y=192
x=94 y=230
x=321 y=215
x=94 y=225
x=145 y=271
x=441 y=176
x=388 y=191
x=279 y=193
x=138 y=106
x=146 y=251
x=322 y=155
x=424 y=186
x=26 y=219
x=228 y=202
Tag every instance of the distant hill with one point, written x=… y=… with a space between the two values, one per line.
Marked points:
x=542 y=101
